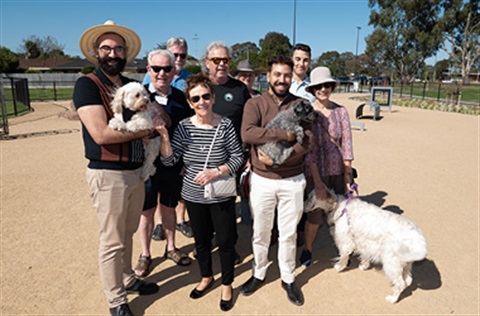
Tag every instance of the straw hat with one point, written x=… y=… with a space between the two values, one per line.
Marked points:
x=90 y=36
x=318 y=76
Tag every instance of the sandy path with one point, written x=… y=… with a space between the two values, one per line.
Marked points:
x=422 y=163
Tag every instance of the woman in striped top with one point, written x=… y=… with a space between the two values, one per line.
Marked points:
x=191 y=142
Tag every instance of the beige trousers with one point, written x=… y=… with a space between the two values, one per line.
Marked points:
x=118 y=197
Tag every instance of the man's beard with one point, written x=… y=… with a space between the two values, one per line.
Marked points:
x=112 y=70
x=278 y=94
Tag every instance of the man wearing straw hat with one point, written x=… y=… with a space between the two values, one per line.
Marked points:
x=115 y=160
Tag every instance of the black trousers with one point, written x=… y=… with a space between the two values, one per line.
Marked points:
x=220 y=218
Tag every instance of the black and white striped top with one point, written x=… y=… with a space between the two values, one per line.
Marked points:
x=192 y=144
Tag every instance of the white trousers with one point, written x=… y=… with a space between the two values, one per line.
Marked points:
x=287 y=196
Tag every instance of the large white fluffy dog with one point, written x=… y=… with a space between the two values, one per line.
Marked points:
x=377 y=236
x=133 y=96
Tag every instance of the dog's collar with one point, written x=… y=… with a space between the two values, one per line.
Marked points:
x=349 y=196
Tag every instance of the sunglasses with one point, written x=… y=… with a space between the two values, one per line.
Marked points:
x=119 y=50
x=196 y=98
x=182 y=56
x=327 y=85
x=218 y=60
x=157 y=69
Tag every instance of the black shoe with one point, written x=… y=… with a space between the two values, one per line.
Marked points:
x=226 y=305
x=185 y=229
x=306 y=258
x=158 y=233
x=121 y=310
x=293 y=293
x=250 y=286
x=142 y=288
x=199 y=293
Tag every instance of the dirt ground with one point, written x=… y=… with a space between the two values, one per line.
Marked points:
x=420 y=163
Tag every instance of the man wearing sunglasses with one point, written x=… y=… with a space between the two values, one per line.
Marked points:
x=178 y=46
x=230 y=94
x=166 y=183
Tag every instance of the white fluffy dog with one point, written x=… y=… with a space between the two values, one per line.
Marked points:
x=133 y=96
x=377 y=236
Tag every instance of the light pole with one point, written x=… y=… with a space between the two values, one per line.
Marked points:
x=294 y=19
x=356 y=54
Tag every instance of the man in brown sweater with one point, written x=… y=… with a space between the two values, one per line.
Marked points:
x=273 y=188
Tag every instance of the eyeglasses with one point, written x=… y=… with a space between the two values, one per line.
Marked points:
x=327 y=85
x=157 y=69
x=119 y=50
x=196 y=98
x=182 y=56
x=218 y=60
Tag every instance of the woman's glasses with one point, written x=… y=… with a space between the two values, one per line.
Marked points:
x=327 y=85
x=218 y=60
x=157 y=69
x=196 y=98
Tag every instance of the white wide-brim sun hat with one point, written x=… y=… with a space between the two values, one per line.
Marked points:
x=90 y=36
x=318 y=76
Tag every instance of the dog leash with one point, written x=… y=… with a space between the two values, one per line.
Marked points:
x=349 y=196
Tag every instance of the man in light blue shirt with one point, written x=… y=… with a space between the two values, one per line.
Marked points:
x=178 y=46
x=301 y=56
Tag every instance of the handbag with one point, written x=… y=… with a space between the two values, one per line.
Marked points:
x=225 y=186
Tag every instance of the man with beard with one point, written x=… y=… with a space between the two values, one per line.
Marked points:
x=301 y=57
x=115 y=161
x=271 y=187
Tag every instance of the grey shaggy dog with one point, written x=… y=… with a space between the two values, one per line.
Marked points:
x=289 y=120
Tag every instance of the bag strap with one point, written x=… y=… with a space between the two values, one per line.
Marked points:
x=211 y=146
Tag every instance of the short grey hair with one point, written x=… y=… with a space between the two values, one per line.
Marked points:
x=210 y=47
x=177 y=41
x=163 y=52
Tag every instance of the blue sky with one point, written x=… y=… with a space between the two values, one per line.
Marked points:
x=325 y=25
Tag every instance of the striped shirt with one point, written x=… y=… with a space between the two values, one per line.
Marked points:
x=193 y=143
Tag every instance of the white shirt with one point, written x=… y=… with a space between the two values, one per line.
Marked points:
x=298 y=89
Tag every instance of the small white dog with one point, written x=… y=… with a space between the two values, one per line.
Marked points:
x=376 y=235
x=133 y=96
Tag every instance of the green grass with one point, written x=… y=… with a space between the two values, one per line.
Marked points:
x=469 y=93
x=44 y=94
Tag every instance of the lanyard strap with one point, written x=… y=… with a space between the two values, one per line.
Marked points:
x=211 y=146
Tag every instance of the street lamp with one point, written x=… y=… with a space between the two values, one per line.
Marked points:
x=356 y=54
x=294 y=19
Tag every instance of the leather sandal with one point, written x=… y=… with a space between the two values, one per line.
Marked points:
x=178 y=257
x=143 y=265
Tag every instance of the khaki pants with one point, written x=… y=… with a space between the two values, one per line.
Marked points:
x=118 y=197
x=287 y=196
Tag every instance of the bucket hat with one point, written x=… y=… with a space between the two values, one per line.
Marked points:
x=318 y=76
x=90 y=36
x=244 y=65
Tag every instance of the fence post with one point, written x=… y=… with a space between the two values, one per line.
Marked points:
x=401 y=89
x=55 y=90
x=424 y=88
x=439 y=89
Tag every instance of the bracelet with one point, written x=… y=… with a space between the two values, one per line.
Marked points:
x=219 y=171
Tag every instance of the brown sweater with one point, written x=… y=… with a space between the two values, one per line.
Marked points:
x=256 y=114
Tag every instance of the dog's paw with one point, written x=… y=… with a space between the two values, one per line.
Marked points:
x=391 y=298
x=364 y=265
x=116 y=124
x=339 y=267
x=408 y=280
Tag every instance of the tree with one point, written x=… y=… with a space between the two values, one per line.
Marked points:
x=273 y=44
x=35 y=47
x=332 y=60
x=244 y=49
x=406 y=33
x=461 y=22
x=8 y=60
x=441 y=69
